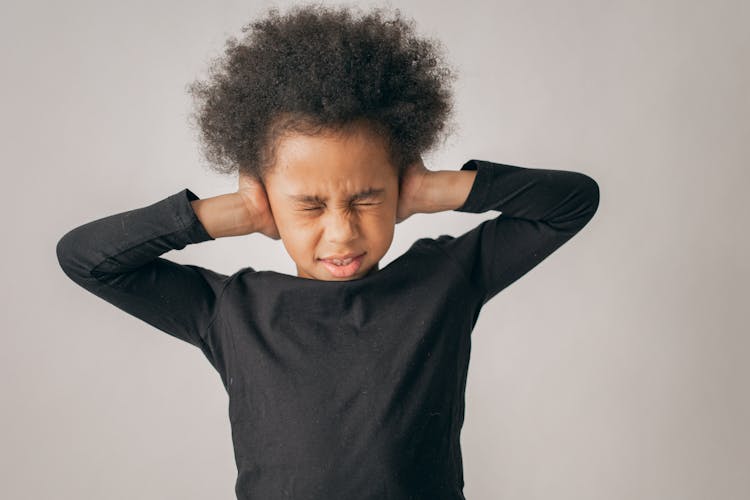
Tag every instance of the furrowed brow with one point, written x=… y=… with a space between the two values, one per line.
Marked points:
x=309 y=198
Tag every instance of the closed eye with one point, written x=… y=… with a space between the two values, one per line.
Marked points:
x=310 y=209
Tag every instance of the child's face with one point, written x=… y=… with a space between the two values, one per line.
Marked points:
x=311 y=190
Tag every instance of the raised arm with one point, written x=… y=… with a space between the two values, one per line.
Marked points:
x=541 y=210
x=117 y=259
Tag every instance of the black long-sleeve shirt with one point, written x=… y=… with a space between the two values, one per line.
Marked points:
x=338 y=389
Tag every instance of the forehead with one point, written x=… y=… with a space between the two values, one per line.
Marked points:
x=322 y=165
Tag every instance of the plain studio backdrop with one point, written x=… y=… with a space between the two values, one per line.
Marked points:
x=616 y=369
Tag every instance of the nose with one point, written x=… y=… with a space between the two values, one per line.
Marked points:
x=341 y=227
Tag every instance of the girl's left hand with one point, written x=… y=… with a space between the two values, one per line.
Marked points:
x=412 y=190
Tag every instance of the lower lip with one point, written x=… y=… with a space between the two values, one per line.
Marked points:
x=344 y=271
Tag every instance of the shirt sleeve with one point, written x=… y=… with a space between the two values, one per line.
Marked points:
x=540 y=209
x=117 y=259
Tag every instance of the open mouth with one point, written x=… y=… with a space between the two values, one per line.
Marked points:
x=344 y=267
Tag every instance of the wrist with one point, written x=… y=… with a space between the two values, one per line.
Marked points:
x=224 y=215
x=446 y=189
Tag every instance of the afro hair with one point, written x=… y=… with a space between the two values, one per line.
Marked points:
x=316 y=69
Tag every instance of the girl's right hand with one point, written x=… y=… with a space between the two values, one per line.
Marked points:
x=255 y=197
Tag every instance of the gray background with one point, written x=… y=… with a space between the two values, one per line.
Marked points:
x=616 y=369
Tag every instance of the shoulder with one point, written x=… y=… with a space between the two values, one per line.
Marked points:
x=432 y=252
x=429 y=244
x=436 y=246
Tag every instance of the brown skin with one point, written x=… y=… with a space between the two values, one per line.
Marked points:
x=255 y=197
x=334 y=167
x=330 y=166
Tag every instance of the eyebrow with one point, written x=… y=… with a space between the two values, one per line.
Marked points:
x=311 y=198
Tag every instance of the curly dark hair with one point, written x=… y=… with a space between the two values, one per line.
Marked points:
x=317 y=69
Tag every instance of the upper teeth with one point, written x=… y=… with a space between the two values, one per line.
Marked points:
x=340 y=262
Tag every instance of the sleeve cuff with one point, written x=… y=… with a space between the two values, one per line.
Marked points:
x=191 y=224
x=479 y=189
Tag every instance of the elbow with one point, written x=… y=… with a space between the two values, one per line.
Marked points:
x=581 y=206
x=589 y=202
x=63 y=250
x=68 y=256
x=592 y=193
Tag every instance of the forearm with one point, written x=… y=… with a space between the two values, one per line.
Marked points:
x=224 y=215
x=117 y=258
x=540 y=209
x=111 y=246
x=562 y=199
x=445 y=190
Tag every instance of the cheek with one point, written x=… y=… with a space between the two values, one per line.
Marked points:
x=299 y=246
x=380 y=230
x=304 y=234
x=387 y=217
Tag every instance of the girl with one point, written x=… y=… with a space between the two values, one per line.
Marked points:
x=345 y=381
